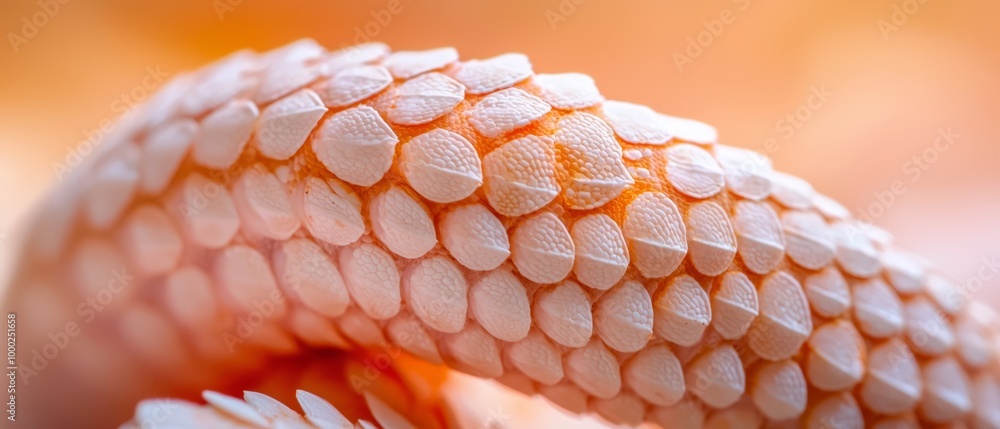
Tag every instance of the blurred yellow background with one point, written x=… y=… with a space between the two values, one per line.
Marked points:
x=850 y=95
x=895 y=73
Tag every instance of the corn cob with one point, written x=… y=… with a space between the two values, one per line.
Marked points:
x=470 y=216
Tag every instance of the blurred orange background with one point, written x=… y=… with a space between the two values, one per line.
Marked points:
x=896 y=73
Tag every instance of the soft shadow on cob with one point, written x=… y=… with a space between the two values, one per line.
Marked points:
x=358 y=223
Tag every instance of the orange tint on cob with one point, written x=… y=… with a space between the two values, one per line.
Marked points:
x=306 y=209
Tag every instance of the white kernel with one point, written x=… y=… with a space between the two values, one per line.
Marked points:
x=601 y=253
x=475 y=351
x=747 y=172
x=809 y=240
x=425 y=98
x=568 y=90
x=877 y=309
x=542 y=248
x=504 y=111
x=711 y=239
x=356 y=145
x=594 y=369
x=623 y=317
x=656 y=375
x=520 y=176
x=779 y=390
x=791 y=191
x=441 y=166
x=855 y=251
x=474 y=237
x=163 y=152
x=682 y=311
x=406 y=64
x=784 y=322
x=436 y=291
x=592 y=160
x=693 y=171
x=224 y=133
x=655 y=232
x=307 y=272
x=947 y=395
x=285 y=124
x=836 y=358
x=372 y=279
x=893 y=383
x=563 y=313
x=264 y=205
x=245 y=275
x=112 y=189
x=353 y=84
x=151 y=239
x=828 y=292
x=500 y=304
x=329 y=210
x=636 y=123
x=537 y=358
x=402 y=223
x=716 y=377
x=734 y=305
x=206 y=211
x=759 y=236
